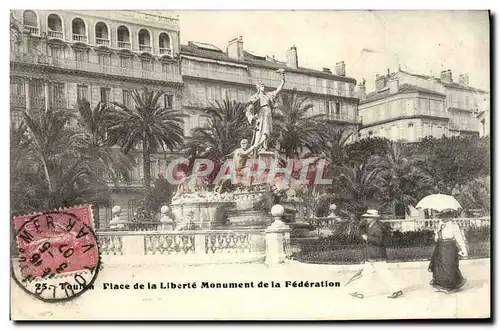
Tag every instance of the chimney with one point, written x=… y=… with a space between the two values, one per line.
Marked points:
x=463 y=80
x=292 y=60
x=393 y=85
x=379 y=82
x=327 y=70
x=446 y=77
x=340 y=69
x=235 y=49
x=362 y=90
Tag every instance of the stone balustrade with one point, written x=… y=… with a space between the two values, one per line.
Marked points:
x=407 y=224
x=271 y=244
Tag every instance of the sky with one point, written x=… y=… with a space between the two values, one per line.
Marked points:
x=369 y=42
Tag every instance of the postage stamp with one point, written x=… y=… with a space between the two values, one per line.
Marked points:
x=58 y=253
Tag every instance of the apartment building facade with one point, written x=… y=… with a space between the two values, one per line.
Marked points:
x=210 y=74
x=58 y=57
x=408 y=107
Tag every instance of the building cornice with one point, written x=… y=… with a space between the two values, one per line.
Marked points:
x=385 y=121
x=352 y=100
x=40 y=68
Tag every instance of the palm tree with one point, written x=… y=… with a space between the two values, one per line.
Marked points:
x=402 y=179
x=66 y=176
x=296 y=131
x=98 y=146
x=148 y=124
x=358 y=188
x=227 y=125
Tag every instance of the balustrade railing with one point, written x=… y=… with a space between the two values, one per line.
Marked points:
x=124 y=44
x=55 y=34
x=144 y=48
x=102 y=41
x=79 y=37
x=227 y=242
x=165 y=51
x=32 y=29
x=110 y=245
x=198 y=242
x=246 y=79
x=408 y=224
x=169 y=244
x=94 y=67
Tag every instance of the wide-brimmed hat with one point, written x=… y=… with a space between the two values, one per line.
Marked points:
x=371 y=214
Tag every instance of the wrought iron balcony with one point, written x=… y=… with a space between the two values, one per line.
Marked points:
x=37 y=102
x=18 y=101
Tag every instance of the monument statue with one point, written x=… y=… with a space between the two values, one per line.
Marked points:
x=259 y=113
x=240 y=157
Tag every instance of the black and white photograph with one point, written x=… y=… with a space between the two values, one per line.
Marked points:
x=249 y=165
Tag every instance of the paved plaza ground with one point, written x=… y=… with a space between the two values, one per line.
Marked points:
x=292 y=303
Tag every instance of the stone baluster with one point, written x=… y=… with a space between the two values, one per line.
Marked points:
x=277 y=235
x=166 y=222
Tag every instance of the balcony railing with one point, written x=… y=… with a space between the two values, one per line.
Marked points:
x=144 y=48
x=124 y=44
x=102 y=41
x=165 y=51
x=233 y=77
x=18 y=101
x=79 y=37
x=55 y=34
x=59 y=103
x=16 y=117
x=37 y=102
x=343 y=117
x=464 y=126
x=32 y=29
x=94 y=67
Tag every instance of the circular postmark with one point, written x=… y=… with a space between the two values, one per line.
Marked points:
x=58 y=254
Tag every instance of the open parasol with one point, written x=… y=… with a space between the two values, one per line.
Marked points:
x=439 y=202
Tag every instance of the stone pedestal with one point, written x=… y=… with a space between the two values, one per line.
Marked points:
x=277 y=238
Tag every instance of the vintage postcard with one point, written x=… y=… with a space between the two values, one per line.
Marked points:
x=249 y=165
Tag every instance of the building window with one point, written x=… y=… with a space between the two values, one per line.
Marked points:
x=56 y=52
x=125 y=62
x=337 y=108
x=82 y=92
x=168 y=101
x=105 y=95
x=166 y=68
x=147 y=65
x=104 y=59
x=58 y=90
x=370 y=133
x=128 y=100
x=81 y=56
x=17 y=86
x=410 y=125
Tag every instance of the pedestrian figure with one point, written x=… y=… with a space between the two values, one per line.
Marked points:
x=376 y=262
x=450 y=245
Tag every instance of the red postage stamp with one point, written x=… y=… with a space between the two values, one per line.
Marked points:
x=59 y=244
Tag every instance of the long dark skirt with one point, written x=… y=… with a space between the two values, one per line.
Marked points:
x=446 y=273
